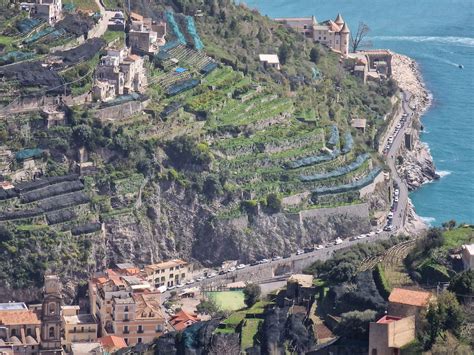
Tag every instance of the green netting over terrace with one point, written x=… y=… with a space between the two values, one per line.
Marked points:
x=28 y=24
x=28 y=153
x=356 y=185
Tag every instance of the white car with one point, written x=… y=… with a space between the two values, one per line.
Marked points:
x=171 y=287
x=180 y=285
x=319 y=247
x=397 y=192
x=264 y=261
x=211 y=275
x=232 y=269
x=390 y=139
x=390 y=215
x=241 y=266
x=362 y=236
x=277 y=258
x=338 y=241
x=299 y=252
x=200 y=278
x=396 y=199
x=399 y=125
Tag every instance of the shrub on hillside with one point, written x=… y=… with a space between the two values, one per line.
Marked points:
x=355 y=325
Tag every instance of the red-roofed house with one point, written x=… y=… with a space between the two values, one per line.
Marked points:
x=389 y=334
x=112 y=343
x=182 y=320
x=405 y=303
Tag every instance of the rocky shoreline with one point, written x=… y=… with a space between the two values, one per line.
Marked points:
x=416 y=167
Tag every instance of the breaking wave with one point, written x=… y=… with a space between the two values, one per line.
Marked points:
x=443 y=173
x=461 y=41
x=428 y=220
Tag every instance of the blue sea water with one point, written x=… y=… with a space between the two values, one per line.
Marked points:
x=439 y=35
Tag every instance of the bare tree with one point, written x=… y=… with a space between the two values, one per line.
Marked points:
x=227 y=344
x=358 y=39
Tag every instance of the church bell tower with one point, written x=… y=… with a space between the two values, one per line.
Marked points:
x=51 y=316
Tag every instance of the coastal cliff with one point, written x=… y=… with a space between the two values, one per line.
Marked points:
x=415 y=166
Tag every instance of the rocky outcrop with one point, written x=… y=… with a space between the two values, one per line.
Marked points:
x=174 y=223
x=417 y=166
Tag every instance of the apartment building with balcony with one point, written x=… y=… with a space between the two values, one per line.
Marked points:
x=126 y=306
x=77 y=327
x=168 y=273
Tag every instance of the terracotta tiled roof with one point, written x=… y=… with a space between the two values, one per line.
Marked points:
x=409 y=297
x=112 y=342
x=182 y=320
x=18 y=317
x=136 y=16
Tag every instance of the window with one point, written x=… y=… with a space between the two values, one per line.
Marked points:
x=28 y=331
x=82 y=329
x=374 y=351
x=125 y=317
x=126 y=309
x=13 y=332
x=140 y=329
x=324 y=38
x=51 y=332
x=126 y=340
x=52 y=308
x=125 y=329
x=139 y=340
x=159 y=328
x=305 y=27
x=75 y=329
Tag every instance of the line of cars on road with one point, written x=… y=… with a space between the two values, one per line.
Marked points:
x=396 y=195
x=398 y=127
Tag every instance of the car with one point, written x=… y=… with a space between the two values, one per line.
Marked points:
x=211 y=275
x=222 y=272
x=232 y=269
x=200 y=278
x=253 y=263
x=241 y=266
x=286 y=256
x=396 y=199
x=264 y=261
x=299 y=252
x=388 y=228
x=390 y=215
x=399 y=125
x=378 y=231
x=277 y=257
x=319 y=247
x=390 y=139
x=190 y=282
x=354 y=237
x=397 y=192
x=308 y=249
x=179 y=285
x=338 y=241
x=362 y=236
x=171 y=287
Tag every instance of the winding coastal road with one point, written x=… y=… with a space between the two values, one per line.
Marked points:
x=400 y=214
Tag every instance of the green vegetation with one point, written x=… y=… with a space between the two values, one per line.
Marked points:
x=428 y=262
x=227 y=300
x=381 y=281
x=83 y=5
x=251 y=294
x=249 y=332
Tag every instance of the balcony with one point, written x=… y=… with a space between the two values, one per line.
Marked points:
x=126 y=331
x=140 y=331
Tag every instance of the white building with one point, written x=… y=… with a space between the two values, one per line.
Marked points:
x=49 y=10
x=468 y=256
x=270 y=60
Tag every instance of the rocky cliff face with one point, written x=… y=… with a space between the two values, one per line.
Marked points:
x=417 y=167
x=174 y=223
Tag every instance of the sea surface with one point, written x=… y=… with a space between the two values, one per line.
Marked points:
x=439 y=35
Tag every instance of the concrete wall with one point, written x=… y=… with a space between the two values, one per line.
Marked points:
x=369 y=189
x=360 y=210
x=295 y=199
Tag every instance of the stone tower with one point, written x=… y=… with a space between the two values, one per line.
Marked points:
x=345 y=38
x=51 y=316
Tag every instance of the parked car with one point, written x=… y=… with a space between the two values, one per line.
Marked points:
x=241 y=266
x=338 y=241
x=264 y=261
x=390 y=215
x=308 y=249
x=190 y=282
x=179 y=285
x=200 y=278
x=211 y=275
x=388 y=228
x=286 y=255
x=253 y=263
x=362 y=236
x=277 y=257
x=319 y=247
x=299 y=252
x=171 y=288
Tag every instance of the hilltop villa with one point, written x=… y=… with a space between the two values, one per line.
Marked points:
x=334 y=34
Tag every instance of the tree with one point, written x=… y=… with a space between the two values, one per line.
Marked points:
x=444 y=315
x=82 y=134
x=342 y=272
x=463 y=285
x=355 y=324
x=449 y=225
x=252 y=294
x=208 y=307
x=5 y=234
x=212 y=187
x=314 y=55
x=227 y=344
x=284 y=53
x=357 y=40
x=274 y=202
